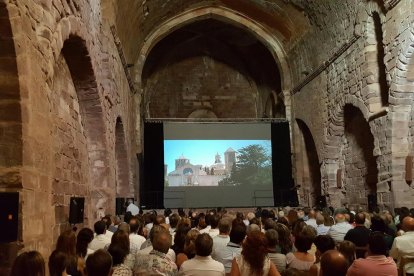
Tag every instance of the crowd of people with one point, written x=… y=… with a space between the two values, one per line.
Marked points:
x=285 y=241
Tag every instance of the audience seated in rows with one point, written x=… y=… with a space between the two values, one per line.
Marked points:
x=263 y=242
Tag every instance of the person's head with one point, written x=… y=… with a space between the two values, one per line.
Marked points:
x=360 y=218
x=269 y=224
x=162 y=241
x=121 y=238
x=108 y=221
x=320 y=219
x=135 y=225
x=340 y=218
x=292 y=216
x=254 y=251
x=378 y=224
x=272 y=238
x=214 y=221
x=181 y=212
x=58 y=262
x=201 y=222
x=167 y=212
x=324 y=243
x=190 y=238
x=99 y=227
x=408 y=224
x=304 y=239
x=159 y=219
x=251 y=228
x=312 y=214
x=333 y=263
x=376 y=244
x=238 y=233
x=285 y=241
x=347 y=248
x=99 y=263
x=127 y=216
x=85 y=236
x=28 y=264
x=118 y=253
x=174 y=219
x=155 y=230
x=180 y=234
x=66 y=243
x=203 y=245
x=224 y=226
x=124 y=227
x=297 y=227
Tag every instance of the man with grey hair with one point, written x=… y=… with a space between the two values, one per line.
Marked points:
x=155 y=231
x=278 y=259
x=156 y=262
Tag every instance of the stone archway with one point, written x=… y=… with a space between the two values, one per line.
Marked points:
x=123 y=188
x=11 y=142
x=360 y=164
x=308 y=172
x=101 y=193
x=228 y=16
x=10 y=111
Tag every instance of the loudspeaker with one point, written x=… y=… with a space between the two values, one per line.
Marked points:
x=120 y=206
x=372 y=202
x=321 y=201
x=76 y=210
x=9 y=217
x=409 y=170
x=339 y=178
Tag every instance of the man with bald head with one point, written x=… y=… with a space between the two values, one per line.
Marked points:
x=403 y=246
x=339 y=230
x=333 y=263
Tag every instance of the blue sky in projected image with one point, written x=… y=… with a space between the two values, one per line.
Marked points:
x=203 y=152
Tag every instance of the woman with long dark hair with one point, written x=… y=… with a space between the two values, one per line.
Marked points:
x=66 y=243
x=85 y=236
x=28 y=264
x=253 y=259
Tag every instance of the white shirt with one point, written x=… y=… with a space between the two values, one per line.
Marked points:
x=219 y=242
x=403 y=246
x=170 y=254
x=133 y=209
x=109 y=234
x=136 y=239
x=205 y=230
x=339 y=230
x=225 y=255
x=99 y=242
x=322 y=229
x=213 y=232
x=202 y=266
x=311 y=222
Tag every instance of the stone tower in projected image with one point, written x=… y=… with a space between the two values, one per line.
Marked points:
x=229 y=159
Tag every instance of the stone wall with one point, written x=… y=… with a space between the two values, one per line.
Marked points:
x=65 y=86
x=363 y=69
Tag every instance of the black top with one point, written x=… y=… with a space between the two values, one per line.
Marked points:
x=359 y=236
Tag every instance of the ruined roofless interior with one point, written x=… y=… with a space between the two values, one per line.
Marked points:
x=78 y=79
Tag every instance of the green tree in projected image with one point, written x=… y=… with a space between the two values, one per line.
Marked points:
x=253 y=167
